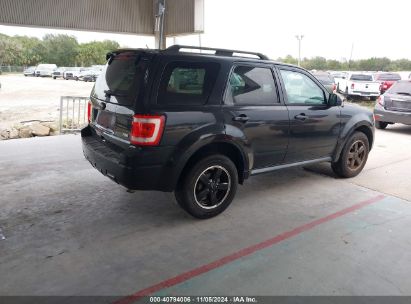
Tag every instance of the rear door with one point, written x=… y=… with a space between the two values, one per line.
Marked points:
x=314 y=126
x=253 y=110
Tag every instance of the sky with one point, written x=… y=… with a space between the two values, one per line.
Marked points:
x=331 y=29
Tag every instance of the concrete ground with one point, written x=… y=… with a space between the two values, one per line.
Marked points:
x=71 y=231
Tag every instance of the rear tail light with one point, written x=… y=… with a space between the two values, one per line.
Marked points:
x=89 y=106
x=146 y=130
x=352 y=86
x=380 y=100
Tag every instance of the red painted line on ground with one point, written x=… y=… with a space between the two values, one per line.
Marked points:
x=243 y=252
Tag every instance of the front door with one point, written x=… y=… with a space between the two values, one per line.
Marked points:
x=314 y=125
x=253 y=110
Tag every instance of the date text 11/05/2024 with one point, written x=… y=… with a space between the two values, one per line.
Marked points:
x=203 y=299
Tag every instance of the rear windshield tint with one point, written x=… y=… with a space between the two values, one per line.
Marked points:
x=119 y=78
x=187 y=83
x=401 y=87
x=361 y=77
x=392 y=77
x=325 y=79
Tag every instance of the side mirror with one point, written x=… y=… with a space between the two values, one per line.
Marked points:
x=334 y=100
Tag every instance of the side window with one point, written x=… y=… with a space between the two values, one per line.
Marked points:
x=301 y=89
x=186 y=83
x=250 y=85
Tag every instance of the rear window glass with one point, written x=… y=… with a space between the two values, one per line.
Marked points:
x=187 y=83
x=325 y=79
x=361 y=77
x=121 y=72
x=120 y=78
x=401 y=87
x=392 y=77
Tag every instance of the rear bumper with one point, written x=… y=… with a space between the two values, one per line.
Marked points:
x=123 y=166
x=380 y=114
x=365 y=94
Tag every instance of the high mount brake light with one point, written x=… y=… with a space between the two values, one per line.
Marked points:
x=146 y=130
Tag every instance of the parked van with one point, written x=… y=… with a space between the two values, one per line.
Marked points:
x=45 y=70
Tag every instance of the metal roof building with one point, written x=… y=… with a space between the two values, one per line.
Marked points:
x=142 y=17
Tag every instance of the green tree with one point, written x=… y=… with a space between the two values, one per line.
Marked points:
x=32 y=50
x=288 y=59
x=316 y=63
x=95 y=52
x=60 y=49
x=10 y=51
x=334 y=65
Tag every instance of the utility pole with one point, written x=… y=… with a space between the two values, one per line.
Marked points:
x=160 y=38
x=299 y=38
x=352 y=49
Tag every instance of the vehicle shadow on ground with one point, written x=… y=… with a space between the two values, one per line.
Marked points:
x=151 y=207
x=399 y=129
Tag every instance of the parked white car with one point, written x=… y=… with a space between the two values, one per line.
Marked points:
x=358 y=84
x=45 y=70
x=73 y=73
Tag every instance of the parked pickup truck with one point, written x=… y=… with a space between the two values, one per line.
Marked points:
x=358 y=84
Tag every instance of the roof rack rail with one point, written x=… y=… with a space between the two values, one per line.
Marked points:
x=220 y=52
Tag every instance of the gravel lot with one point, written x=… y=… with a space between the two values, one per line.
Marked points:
x=31 y=98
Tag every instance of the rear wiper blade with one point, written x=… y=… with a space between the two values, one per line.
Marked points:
x=110 y=93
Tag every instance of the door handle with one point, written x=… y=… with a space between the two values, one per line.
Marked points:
x=301 y=116
x=242 y=117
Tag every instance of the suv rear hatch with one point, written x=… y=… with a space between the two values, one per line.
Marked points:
x=398 y=97
x=118 y=92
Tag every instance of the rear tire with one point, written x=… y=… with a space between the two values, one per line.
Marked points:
x=373 y=98
x=353 y=156
x=209 y=187
x=381 y=124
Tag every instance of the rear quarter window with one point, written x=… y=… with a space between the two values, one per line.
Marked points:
x=187 y=83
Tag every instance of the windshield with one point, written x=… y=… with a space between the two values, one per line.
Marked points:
x=361 y=77
x=401 y=88
x=392 y=77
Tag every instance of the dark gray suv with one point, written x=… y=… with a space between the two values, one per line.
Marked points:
x=199 y=124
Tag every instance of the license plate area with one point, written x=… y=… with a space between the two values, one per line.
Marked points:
x=106 y=119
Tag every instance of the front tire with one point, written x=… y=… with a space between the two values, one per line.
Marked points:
x=381 y=124
x=209 y=187
x=353 y=156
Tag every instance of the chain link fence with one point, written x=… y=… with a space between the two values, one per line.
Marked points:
x=11 y=69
